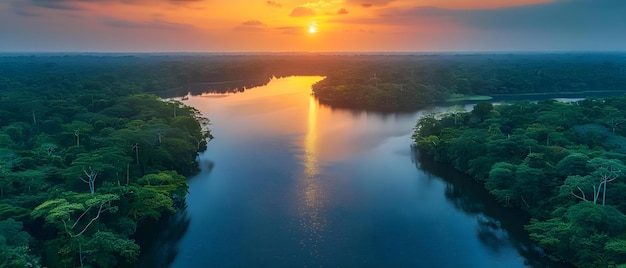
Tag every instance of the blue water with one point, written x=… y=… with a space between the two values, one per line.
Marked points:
x=297 y=184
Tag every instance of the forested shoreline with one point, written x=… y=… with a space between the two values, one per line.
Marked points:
x=392 y=82
x=414 y=82
x=561 y=162
x=85 y=162
x=86 y=157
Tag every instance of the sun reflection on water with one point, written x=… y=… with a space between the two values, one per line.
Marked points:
x=311 y=205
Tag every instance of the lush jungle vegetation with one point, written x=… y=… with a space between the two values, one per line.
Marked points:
x=392 y=83
x=87 y=160
x=564 y=163
x=87 y=157
x=375 y=82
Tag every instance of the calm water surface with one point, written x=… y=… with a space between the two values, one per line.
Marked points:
x=297 y=184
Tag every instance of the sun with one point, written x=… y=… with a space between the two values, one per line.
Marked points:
x=312 y=28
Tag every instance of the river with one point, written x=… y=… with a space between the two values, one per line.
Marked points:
x=297 y=184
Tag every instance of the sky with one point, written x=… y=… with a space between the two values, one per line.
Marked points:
x=311 y=26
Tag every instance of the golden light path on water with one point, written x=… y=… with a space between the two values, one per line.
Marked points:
x=312 y=193
x=299 y=184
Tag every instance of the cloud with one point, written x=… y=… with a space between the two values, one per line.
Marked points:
x=32 y=8
x=249 y=29
x=21 y=9
x=251 y=26
x=273 y=4
x=564 y=15
x=154 y=24
x=369 y=3
x=302 y=12
x=52 y=4
x=48 y=8
x=342 y=11
x=569 y=16
x=557 y=25
x=253 y=23
x=76 y=4
x=291 y=30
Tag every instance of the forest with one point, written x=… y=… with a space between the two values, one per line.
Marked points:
x=93 y=147
x=563 y=163
x=399 y=83
x=388 y=82
x=85 y=162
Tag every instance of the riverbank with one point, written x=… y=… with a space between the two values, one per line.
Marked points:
x=328 y=187
x=564 y=93
x=545 y=158
x=84 y=166
x=461 y=97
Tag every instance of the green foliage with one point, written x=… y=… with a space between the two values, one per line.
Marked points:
x=617 y=250
x=15 y=245
x=56 y=210
x=537 y=157
x=573 y=164
x=148 y=202
x=102 y=245
x=585 y=235
x=168 y=183
x=500 y=181
x=393 y=83
x=9 y=211
x=69 y=169
x=62 y=116
x=482 y=110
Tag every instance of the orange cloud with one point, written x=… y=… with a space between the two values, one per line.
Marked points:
x=253 y=23
x=291 y=30
x=370 y=3
x=342 y=11
x=154 y=24
x=302 y=12
x=251 y=26
x=273 y=4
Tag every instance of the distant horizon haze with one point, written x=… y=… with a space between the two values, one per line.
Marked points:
x=328 y=53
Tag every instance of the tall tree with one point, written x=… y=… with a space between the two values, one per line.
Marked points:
x=606 y=170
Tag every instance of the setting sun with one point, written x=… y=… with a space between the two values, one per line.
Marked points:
x=282 y=25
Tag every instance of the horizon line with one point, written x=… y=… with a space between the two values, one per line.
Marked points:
x=372 y=52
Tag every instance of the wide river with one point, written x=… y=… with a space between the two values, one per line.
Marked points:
x=297 y=184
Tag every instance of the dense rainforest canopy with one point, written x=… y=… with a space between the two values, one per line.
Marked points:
x=411 y=82
x=87 y=157
x=85 y=161
x=564 y=163
x=389 y=82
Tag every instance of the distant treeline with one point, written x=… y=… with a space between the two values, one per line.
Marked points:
x=376 y=82
x=411 y=82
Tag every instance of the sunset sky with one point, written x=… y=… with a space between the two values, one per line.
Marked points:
x=318 y=26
